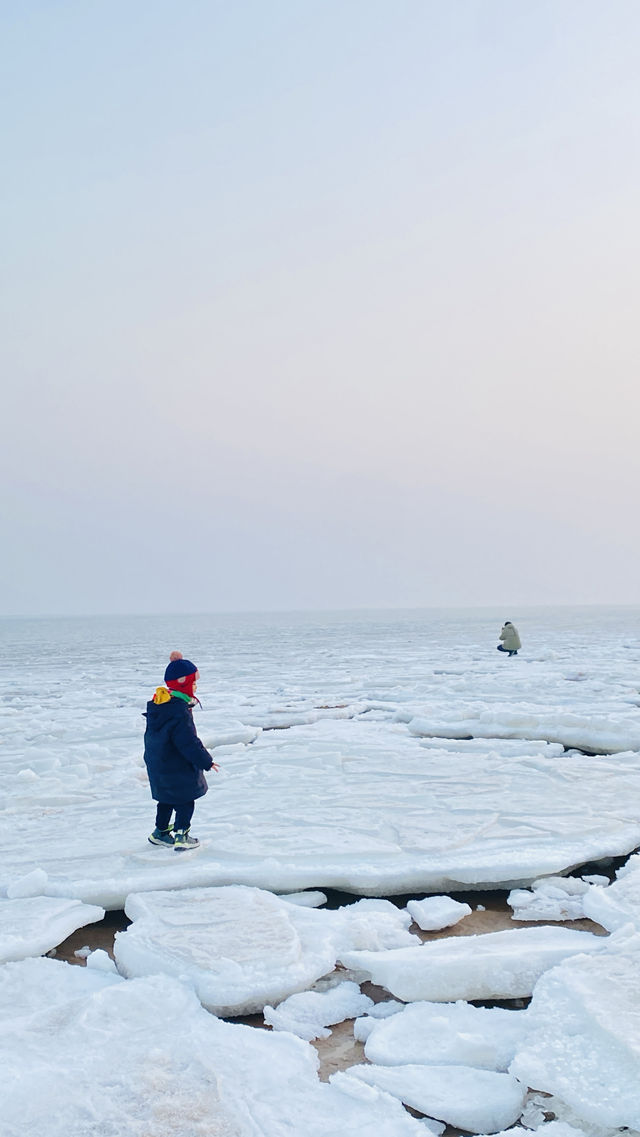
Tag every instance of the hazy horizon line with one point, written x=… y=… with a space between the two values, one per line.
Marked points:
x=313 y=611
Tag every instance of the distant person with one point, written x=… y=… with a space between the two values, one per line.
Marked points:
x=510 y=638
x=174 y=755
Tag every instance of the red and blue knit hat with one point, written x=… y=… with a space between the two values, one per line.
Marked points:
x=180 y=674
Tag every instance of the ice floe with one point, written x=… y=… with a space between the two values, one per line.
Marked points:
x=583 y=1034
x=33 y=884
x=553 y=898
x=330 y=778
x=348 y=799
x=351 y=805
x=305 y=899
x=437 y=912
x=596 y=734
x=541 y=1108
x=449 y=1034
x=143 y=1057
x=619 y=903
x=33 y=925
x=309 y=1014
x=548 y=1129
x=244 y=948
x=478 y=1101
x=363 y=1026
x=498 y=965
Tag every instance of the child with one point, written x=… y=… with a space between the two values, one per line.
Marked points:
x=174 y=755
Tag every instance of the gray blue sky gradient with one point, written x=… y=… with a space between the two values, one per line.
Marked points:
x=319 y=304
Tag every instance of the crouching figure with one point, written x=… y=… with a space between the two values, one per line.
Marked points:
x=510 y=639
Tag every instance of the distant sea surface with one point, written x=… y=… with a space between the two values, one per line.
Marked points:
x=301 y=647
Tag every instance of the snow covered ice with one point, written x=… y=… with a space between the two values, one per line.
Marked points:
x=498 y=965
x=382 y=754
x=450 y=1034
x=583 y=1034
x=548 y=1129
x=618 y=904
x=81 y=1050
x=597 y=735
x=437 y=912
x=478 y=1101
x=349 y=799
x=310 y=1013
x=551 y=898
x=354 y=805
x=34 y=925
x=242 y=947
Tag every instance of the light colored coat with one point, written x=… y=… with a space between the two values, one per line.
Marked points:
x=510 y=638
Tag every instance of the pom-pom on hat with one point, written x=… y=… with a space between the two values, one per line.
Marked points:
x=178 y=667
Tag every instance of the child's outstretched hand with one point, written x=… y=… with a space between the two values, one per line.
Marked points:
x=215 y=767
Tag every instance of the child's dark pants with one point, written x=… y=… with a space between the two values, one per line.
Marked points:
x=184 y=813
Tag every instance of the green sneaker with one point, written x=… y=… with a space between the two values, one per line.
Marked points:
x=182 y=840
x=162 y=837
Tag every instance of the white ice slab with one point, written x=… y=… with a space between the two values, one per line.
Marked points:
x=32 y=884
x=309 y=899
x=350 y=804
x=540 y=1106
x=309 y=1014
x=507 y=747
x=619 y=903
x=500 y=965
x=284 y=718
x=362 y=1027
x=430 y=1125
x=356 y=803
x=437 y=912
x=449 y=1034
x=478 y=1101
x=597 y=734
x=583 y=1035
x=100 y=960
x=36 y=924
x=146 y=1057
x=40 y=988
x=225 y=732
x=547 y=1129
x=243 y=948
x=555 y=898
x=375 y=922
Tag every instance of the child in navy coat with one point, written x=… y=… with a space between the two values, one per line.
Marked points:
x=174 y=755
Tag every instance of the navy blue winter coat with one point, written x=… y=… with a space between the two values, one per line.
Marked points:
x=173 y=753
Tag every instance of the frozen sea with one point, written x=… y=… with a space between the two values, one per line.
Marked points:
x=379 y=753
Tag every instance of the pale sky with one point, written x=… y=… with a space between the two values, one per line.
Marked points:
x=319 y=304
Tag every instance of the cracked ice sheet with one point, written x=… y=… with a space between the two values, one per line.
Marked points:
x=144 y=1055
x=619 y=903
x=242 y=947
x=499 y=965
x=583 y=1034
x=603 y=734
x=353 y=805
x=36 y=924
x=449 y=1034
x=309 y=1014
x=356 y=804
x=554 y=898
x=540 y=1106
x=478 y=1101
x=548 y=1129
x=437 y=912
